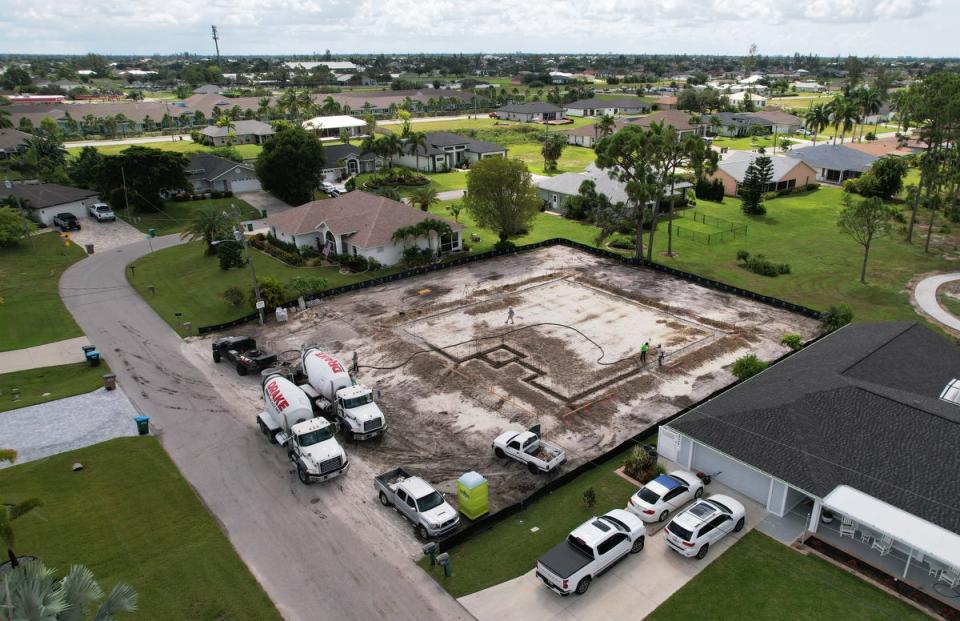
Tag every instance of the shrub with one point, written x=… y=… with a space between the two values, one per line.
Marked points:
x=417 y=256
x=271 y=292
x=748 y=366
x=288 y=246
x=637 y=463
x=504 y=245
x=758 y=264
x=793 y=341
x=589 y=498
x=234 y=296
x=230 y=254
x=743 y=256
x=836 y=317
x=303 y=286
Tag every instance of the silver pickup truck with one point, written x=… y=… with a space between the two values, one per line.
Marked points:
x=417 y=501
x=529 y=448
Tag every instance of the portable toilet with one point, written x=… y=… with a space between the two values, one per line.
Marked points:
x=472 y=495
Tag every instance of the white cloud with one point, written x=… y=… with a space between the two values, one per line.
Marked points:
x=303 y=26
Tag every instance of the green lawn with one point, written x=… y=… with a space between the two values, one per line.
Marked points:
x=31 y=312
x=247 y=151
x=573 y=159
x=188 y=282
x=176 y=216
x=746 y=143
x=511 y=549
x=801 y=230
x=483 y=122
x=49 y=384
x=130 y=517
x=441 y=182
x=759 y=578
x=952 y=305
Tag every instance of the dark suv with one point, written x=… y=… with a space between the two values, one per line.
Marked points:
x=66 y=222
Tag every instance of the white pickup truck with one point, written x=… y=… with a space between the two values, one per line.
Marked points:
x=528 y=448
x=417 y=501
x=102 y=212
x=591 y=549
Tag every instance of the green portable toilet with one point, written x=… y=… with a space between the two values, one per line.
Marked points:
x=472 y=495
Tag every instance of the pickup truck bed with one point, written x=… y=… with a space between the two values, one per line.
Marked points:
x=564 y=560
x=390 y=480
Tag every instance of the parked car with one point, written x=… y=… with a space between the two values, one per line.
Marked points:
x=529 y=448
x=66 y=222
x=102 y=212
x=664 y=495
x=706 y=522
x=591 y=549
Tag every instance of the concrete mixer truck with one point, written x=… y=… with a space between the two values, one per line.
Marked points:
x=288 y=419
x=336 y=395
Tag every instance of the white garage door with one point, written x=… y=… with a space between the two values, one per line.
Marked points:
x=245 y=185
x=732 y=473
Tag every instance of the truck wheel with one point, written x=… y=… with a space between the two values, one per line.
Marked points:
x=637 y=546
x=499 y=452
x=533 y=469
x=583 y=585
x=273 y=436
x=216 y=356
x=739 y=526
x=384 y=500
x=422 y=532
x=263 y=428
x=702 y=552
x=303 y=476
x=241 y=370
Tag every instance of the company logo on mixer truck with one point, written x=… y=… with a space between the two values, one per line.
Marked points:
x=332 y=362
x=279 y=401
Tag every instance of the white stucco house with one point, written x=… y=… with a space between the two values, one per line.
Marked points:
x=738 y=99
x=360 y=223
x=601 y=107
x=445 y=151
x=530 y=112
x=329 y=126
x=46 y=200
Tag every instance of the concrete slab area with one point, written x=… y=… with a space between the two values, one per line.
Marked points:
x=55 y=427
x=634 y=588
x=925 y=296
x=48 y=355
x=105 y=236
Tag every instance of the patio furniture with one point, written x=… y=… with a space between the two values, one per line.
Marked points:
x=950 y=575
x=848 y=528
x=934 y=568
x=883 y=545
x=866 y=536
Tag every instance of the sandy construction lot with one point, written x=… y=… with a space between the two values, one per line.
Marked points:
x=452 y=374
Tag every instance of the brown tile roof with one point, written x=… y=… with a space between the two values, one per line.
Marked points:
x=679 y=119
x=369 y=219
x=885 y=146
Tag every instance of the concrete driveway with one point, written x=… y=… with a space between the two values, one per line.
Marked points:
x=105 y=235
x=631 y=590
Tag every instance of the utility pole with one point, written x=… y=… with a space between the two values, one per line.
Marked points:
x=216 y=44
x=126 y=199
x=240 y=237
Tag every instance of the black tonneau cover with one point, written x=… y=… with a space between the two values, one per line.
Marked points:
x=564 y=559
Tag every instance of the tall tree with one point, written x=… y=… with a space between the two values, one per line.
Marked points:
x=147 y=172
x=868 y=102
x=552 y=149
x=291 y=165
x=757 y=177
x=501 y=196
x=865 y=221
x=604 y=127
x=817 y=119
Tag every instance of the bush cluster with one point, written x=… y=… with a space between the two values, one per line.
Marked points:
x=394 y=177
x=354 y=263
x=414 y=256
x=183 y=197
x=758 y=264
x=261 y=242
x=709 y=190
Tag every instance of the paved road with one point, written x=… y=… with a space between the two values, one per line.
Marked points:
x=311 y=560
x=925 y=295
x=135 y=140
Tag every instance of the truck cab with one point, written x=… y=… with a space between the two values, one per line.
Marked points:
x=315 y=451
x=357 y=411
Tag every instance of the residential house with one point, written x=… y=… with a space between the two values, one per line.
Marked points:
x=210 y=173
x=666 y=102
x=680 y=120
x=446 y=151
x=561 y=77
x=740 y=99
x=807 y=86
x=532 y=112
x=46 y=200
x=12 y=141
x=787 y=172
x=884 y=115
x=772 y=121
x=556 y=191
x=851 y=441
x=342 y=161
x=587 y=135
x=329 y=126
x=891 y=146
x=360 y=223
x=602 y=107
x=242 y=132
x=834 y=163
x=780 y=122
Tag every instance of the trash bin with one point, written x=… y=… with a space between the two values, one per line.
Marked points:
x=92 y=355
x=89 y=248
x=143 y=425
x=151 y=233
x=110 y=381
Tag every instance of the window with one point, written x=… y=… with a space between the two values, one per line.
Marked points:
x=514 y=445
x=401 y=495
x=411 y=503
x=951 y=392
x=611 y=543
x=706 y=528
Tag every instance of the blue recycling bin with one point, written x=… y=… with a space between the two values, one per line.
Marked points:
x=92 y=355
x=143 y=425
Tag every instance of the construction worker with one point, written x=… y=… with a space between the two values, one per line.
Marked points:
x=643 y=352
x=509 y=316
x=659 y=355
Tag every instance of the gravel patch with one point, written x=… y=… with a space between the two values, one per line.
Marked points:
x=59 y=426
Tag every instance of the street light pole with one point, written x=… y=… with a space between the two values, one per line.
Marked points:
x=240 y=237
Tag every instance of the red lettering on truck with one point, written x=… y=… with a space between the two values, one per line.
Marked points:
x=279 y=401
x=332 y=362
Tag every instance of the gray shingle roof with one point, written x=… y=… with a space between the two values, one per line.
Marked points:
x=569 y=184
x=833 y=157
x=533 y=107
x=212 y=166
x=42 y=195
x=11 y=138
x=861 y=408
x=240 y=128
x=624 y=102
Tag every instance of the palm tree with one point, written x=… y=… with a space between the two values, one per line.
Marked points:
x=604 y=126
x=288 y=102
x=33 y=591
x=10 y=512
x=424 y=197
x=817 y=119
x=843 y=114
x=404 y=233
x=903 y=104
x=330 y=106
x=305 y=102
x=868 y=102
x=263 y=108
x=415 y=142
x=390 y=145
x=226 y=121
x=439 y=227
x=208 y=226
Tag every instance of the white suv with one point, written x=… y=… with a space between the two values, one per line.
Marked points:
x=664 y=495
x=706 y=522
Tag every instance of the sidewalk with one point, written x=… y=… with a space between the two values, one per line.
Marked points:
x=925 y=296
x=51 y=354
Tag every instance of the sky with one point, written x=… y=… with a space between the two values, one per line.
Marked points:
x=824 y=27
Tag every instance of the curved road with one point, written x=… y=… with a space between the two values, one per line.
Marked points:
x=312 y=562
x=925 y=293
